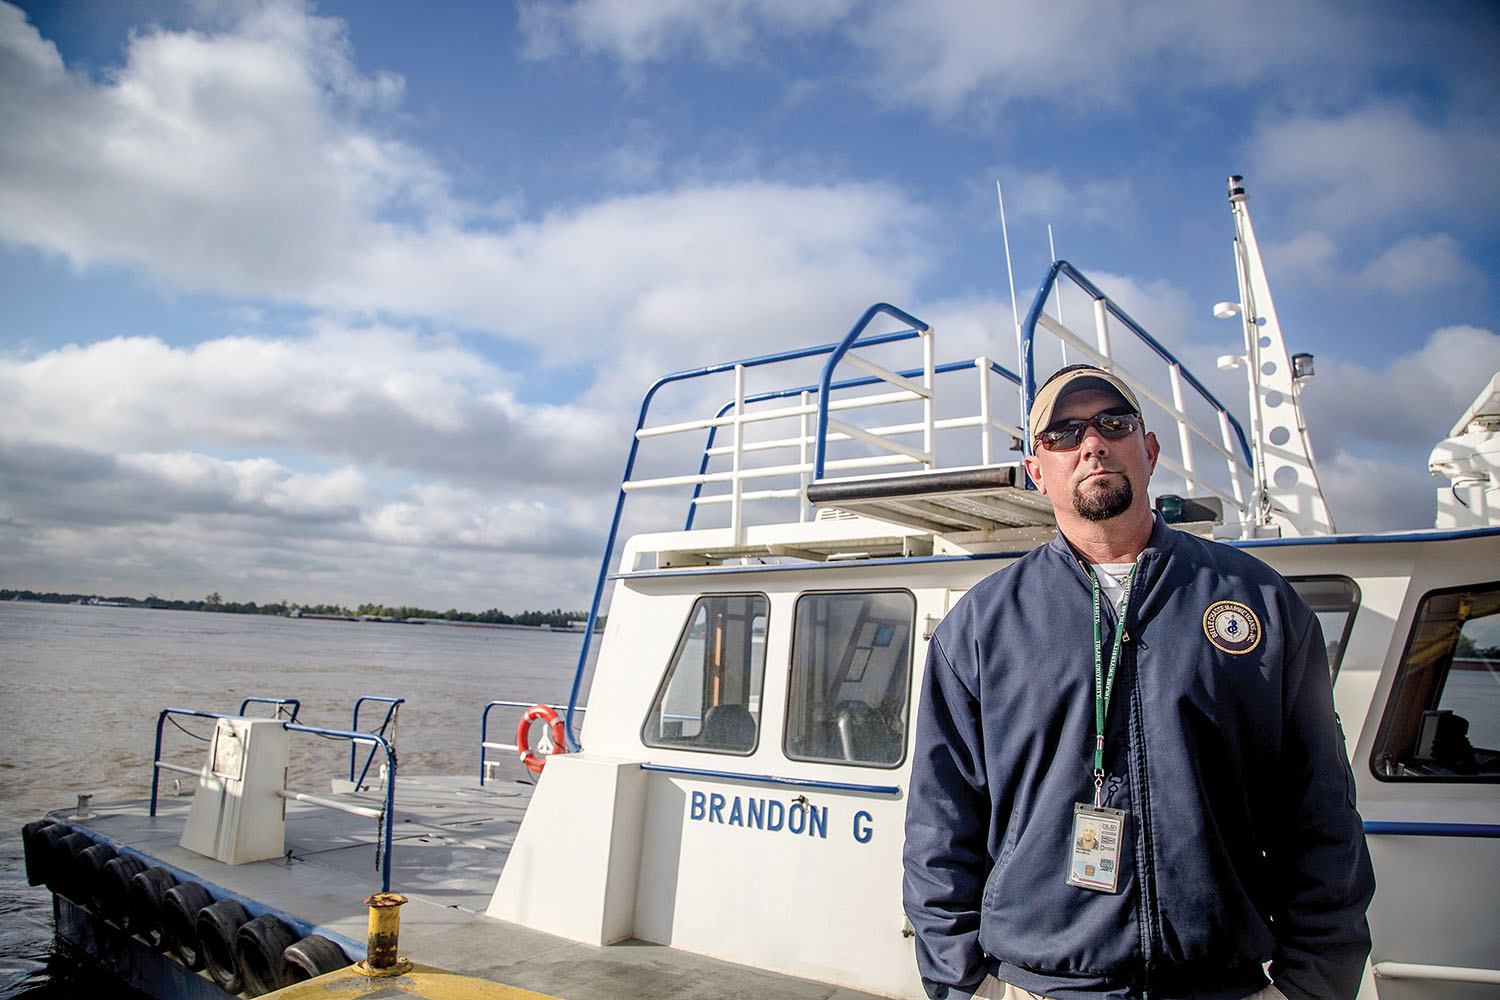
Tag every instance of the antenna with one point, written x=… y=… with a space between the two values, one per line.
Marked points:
x=1016 y=317
x=1052 y=247
x=1010 y=273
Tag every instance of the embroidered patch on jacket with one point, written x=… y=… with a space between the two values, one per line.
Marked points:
x=1231 y=626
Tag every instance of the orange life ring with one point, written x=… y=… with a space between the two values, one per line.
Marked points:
x=529 y=757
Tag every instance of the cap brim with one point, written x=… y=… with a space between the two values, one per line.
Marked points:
x=1083 y=378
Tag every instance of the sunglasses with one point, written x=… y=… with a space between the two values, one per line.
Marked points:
x=1069 y=434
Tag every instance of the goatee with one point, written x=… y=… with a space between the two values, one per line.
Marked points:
x=1103 y=501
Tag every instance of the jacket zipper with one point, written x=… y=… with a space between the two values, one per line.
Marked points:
x=1146 y=846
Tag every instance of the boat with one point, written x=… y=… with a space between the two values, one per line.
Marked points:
x=724 y=816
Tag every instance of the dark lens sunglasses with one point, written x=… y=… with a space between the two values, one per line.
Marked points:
x=1069 y=434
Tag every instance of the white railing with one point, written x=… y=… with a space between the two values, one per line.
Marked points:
x=796 y=427
x=1225 y=439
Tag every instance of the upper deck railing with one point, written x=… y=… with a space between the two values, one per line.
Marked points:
x=1226 y=439
x=820 y=422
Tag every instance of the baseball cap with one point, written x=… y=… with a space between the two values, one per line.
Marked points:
x=1066 y=380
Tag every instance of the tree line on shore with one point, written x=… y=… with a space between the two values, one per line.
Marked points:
x=214 y=602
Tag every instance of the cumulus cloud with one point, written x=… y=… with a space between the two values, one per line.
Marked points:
x=1381 y=163
x=378 y=396
x=945 y=55
x=637 y=31
x=1050 y=196
x=204 y=158
x=1309 y=256
x=256 y=160
x=164 y=519
x=1412 y=265
x=1372 y=429
x=251 y=163
x=1421 y=263
x=369 y=448
x=1410 y=402
x=1376 y=494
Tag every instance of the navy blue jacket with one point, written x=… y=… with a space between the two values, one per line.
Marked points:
x=1242 y=842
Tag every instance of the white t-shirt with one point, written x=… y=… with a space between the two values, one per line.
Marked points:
x=1112 y=581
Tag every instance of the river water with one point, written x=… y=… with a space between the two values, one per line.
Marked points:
x=81 y=687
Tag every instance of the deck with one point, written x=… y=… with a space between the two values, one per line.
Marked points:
x=451 y=840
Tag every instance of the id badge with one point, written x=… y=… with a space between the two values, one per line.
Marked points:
x=1095 y=852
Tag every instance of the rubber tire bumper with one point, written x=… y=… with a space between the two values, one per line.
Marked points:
x=63 y=871
x=147 y=902
x=218 y=926
x=311 y=957
x=39 y=837
x=113 y=891
x=179 y=918
x=260 y=946
x=89 y=874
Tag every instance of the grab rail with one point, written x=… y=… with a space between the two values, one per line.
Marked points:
x=380 y=743
x=278 y=702
x=484 y=729
x=157 y=764
x=853 y=339
x=392 y=705
x=386 y=844
x=921 y=391
x=1229 y=430
x=983 y=420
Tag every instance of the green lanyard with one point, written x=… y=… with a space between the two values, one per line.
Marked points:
x=1104 y=687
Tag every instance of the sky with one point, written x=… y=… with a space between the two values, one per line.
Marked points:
x=343 y=302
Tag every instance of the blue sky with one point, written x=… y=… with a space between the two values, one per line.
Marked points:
x=333 y=302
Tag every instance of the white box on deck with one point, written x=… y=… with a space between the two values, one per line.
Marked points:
x=237 y=815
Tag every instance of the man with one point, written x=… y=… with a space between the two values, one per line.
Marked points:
x=1128 y=779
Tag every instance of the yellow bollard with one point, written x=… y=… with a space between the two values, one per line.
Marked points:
x=382 y=958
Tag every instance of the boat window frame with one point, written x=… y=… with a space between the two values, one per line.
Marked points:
x=1354 y=606
x=670 y=671
x=1397 y=696
x=911 y=671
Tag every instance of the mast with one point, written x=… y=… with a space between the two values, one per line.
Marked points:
x=1288 y=500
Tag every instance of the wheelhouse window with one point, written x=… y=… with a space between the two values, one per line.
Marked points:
x=850 y=684
x=1443 y=719
x=1334 y=599
x=710 y=697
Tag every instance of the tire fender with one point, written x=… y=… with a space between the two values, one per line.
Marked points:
x=65 y=873
x=218 y=926
x=179 y=919
x=311 y=957
x=90 y=875
x=39 y=838
x=147 y=903
x=114 y=889
x=260 y=947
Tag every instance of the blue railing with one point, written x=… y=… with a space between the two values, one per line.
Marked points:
x=1101 y=355
x=157 y=764
x=377 y=742
x=1028 y=334
x=853 y=383
x=392 y=705
x=484 y=730
x=851 y=339
x=835 y=352
x=278 y=702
